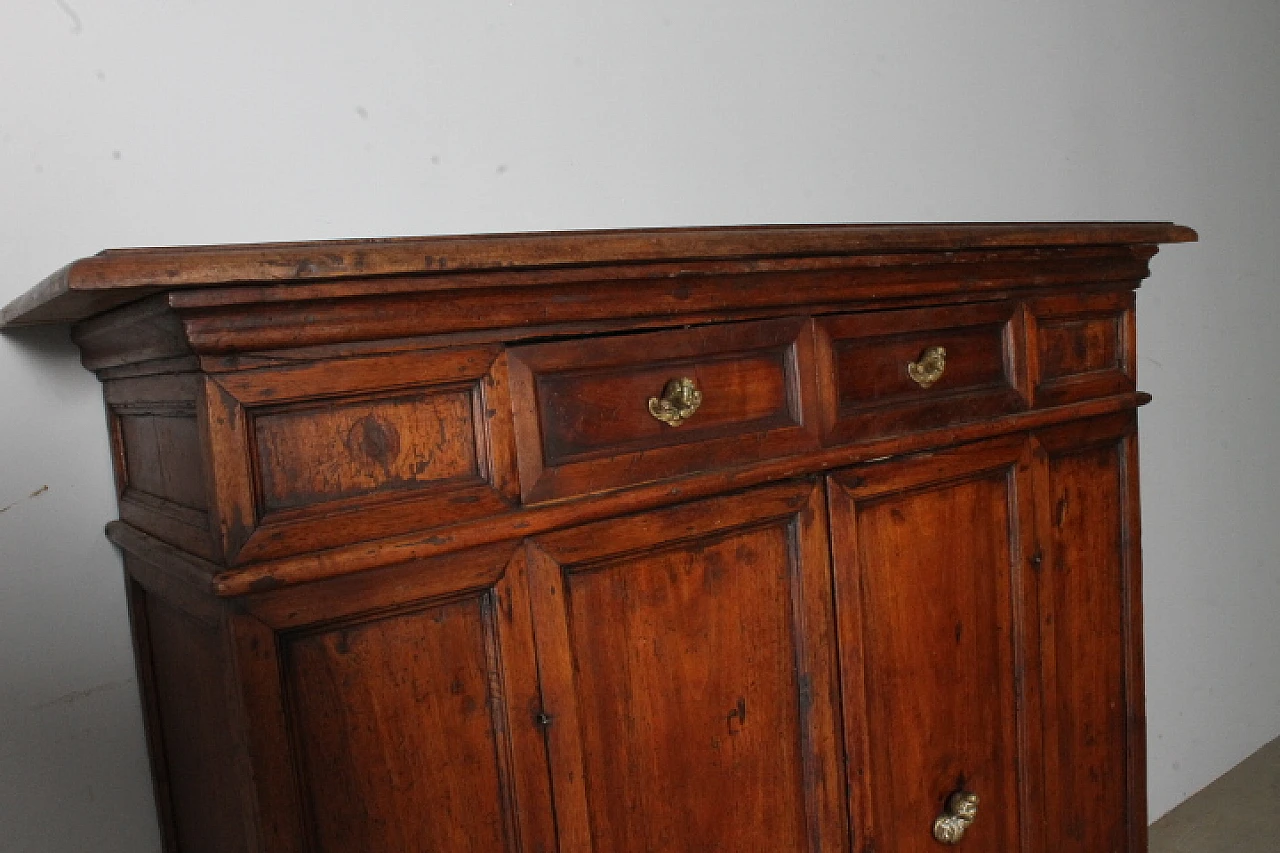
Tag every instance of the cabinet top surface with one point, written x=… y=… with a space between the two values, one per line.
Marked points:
x=115 y=277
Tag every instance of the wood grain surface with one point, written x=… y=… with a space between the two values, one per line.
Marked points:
x=413 y=567
x=96 y=284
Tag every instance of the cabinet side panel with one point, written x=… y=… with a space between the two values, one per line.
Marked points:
x=396 y=733
x=192 y=731
x=141 y=635
x=159 y=457
x=162 y=458
x=1084 y=590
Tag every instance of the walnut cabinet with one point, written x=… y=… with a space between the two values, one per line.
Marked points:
x=741 y=539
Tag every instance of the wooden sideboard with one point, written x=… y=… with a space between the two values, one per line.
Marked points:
x=727 y=539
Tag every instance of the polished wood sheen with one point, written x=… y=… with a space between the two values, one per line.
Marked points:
x=686 y=653
x=872 y=392
x=426 y=675
x=934 y=637
x=583 y=422
x=1089 y=597
x=307 y=455
x=418 y=561
x=1084 y=346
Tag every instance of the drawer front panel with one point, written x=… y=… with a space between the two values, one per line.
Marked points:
x=585 y=421
x=896 y=371
x=317 y=455
x=1083 y=347
x=400 y=441
x=739 y=393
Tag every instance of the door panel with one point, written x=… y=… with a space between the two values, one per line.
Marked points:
x=410 y=700
x=931 y=561
x=688 y=674
x=374 y=700
x=1095 y=765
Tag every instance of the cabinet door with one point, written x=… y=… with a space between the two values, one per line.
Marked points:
x=933 y=562
x=688 y=676
x=403 y=702
x=1091 y=601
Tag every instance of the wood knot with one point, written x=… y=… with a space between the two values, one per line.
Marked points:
x=375 y=439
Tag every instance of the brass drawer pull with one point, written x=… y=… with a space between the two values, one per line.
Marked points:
x=680 y=399
x=929 y=368
x=962 y=810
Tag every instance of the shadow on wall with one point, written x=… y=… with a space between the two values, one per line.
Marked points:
x=53 y=759
x=72 y=757
x=44 y=353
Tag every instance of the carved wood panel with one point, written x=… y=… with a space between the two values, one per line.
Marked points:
x=934 y=560
x=318 y=454
x=689 y=678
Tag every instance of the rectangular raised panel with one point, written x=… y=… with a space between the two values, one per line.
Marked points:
x=185 y=675
x=321 y=454
x=691 y=679
x=873 y=373
x=395 y=726
x=1072 y=347
x=868 y=390
x=312 y=453
x=698 y=648
x=607 y=411
x=162 y=458
x=396 y=709
x=583 y=420
x=1092 y=770
x=1083 y=346
x=1086 y=591
x=929 y=568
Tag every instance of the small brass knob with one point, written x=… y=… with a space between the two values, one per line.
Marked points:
x=680 y=399
x=929 y=368
x=951 y=825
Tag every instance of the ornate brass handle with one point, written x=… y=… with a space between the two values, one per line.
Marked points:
x=680 y=399
x=962 y=809
x=929 y=368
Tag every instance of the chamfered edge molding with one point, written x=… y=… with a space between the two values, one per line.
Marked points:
x=119 y=276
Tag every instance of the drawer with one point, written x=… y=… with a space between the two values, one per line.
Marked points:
x=889 y=372
x=592 y=414
x=1081 y=346
x=315 y=455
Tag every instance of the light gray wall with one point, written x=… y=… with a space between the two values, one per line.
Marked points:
x=140 y=122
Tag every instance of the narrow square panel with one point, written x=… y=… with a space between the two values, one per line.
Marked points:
x=1078 y=346
x=161 y=455
x=1082 y=345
